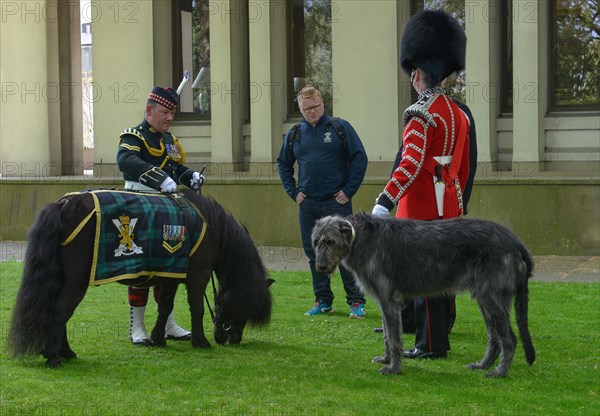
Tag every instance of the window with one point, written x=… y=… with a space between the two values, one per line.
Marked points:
x=575 y=55
x=191 y=47
x=309 y=46
x=506 y=60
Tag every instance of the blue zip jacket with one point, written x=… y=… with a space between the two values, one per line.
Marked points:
x=325 y=164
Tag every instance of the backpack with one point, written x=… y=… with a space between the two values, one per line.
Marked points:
x=334 y=121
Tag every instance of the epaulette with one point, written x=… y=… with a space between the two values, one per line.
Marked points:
x=133 y=132
x=421 y=107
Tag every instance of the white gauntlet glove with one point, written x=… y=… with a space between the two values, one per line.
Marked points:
x=380 y=211
x=196 y=181
x=168 y=186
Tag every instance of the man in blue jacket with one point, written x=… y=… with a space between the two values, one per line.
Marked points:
x=331 y=166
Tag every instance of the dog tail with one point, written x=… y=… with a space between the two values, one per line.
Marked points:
x=526 y=256
x=522 y=308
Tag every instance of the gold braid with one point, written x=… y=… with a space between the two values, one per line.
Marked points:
x=154 y=152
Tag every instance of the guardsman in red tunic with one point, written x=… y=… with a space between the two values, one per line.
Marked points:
x=152 y=160
x=429 y=181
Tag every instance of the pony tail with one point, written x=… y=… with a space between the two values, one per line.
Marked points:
x=42 y=281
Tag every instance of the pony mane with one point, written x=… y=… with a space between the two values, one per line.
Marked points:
x=241 y=273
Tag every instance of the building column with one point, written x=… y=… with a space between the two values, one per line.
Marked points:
x=123 y=75
x=268 y=71
x=529 y=42
x=30 y=145
x=370 y=90
x=482 y=27
x=229 y=95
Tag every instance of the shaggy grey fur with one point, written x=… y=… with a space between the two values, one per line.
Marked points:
x=396 y=259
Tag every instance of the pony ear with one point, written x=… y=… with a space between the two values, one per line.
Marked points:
x=270 y=282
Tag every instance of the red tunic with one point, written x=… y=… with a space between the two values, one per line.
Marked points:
x=431 y=126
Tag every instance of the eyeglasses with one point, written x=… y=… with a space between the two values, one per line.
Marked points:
x=309 y=109
x=412 y=75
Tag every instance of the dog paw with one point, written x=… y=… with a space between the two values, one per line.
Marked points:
x=474 y=366
x=380 y=359
x=390 y=370
x=496 y=374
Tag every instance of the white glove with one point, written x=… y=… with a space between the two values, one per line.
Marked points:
x=196 y=181
x=168 y=186
x=380 y=211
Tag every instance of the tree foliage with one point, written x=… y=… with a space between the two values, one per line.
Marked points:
x=577 y=52
x=201 y=54
x=317 y=38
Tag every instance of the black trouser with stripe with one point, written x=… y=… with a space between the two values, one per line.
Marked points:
x=433 y=320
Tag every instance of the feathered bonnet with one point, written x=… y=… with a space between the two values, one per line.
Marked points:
x=433 y=41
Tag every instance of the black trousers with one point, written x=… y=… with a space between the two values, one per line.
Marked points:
x=432 y=320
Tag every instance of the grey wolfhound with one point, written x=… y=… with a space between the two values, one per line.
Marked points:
x=396 y=259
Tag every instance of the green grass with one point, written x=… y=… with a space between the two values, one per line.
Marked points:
x=305 y=366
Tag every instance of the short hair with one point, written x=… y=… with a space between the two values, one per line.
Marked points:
x=308 y=92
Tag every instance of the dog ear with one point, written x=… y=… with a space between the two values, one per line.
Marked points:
x=346 y=230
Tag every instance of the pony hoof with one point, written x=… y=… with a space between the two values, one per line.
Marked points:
x=53 y=363
x=389 y=370
x=202 y=344
x=69 y=355
x=380 y=360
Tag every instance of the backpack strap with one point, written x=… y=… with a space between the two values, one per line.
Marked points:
x=295 y=135
x=338 y=129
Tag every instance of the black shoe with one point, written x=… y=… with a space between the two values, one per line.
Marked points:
x=418 y=354
x=186 y=337
x=406 y=331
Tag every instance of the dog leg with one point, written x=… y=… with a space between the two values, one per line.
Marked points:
x=385 y=358
x=507 y=338
x=493 y=345
x=393 y=337
x=491 y=353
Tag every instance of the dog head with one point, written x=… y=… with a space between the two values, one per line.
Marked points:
x=332 y=239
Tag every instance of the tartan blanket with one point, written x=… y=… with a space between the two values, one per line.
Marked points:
x=143 y=234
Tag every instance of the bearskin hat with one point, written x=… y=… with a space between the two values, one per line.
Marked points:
x=433 y=41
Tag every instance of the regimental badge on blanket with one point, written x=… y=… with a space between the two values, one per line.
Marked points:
x=125 y=225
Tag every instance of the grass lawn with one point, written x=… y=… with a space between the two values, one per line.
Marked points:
x=300 y=365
